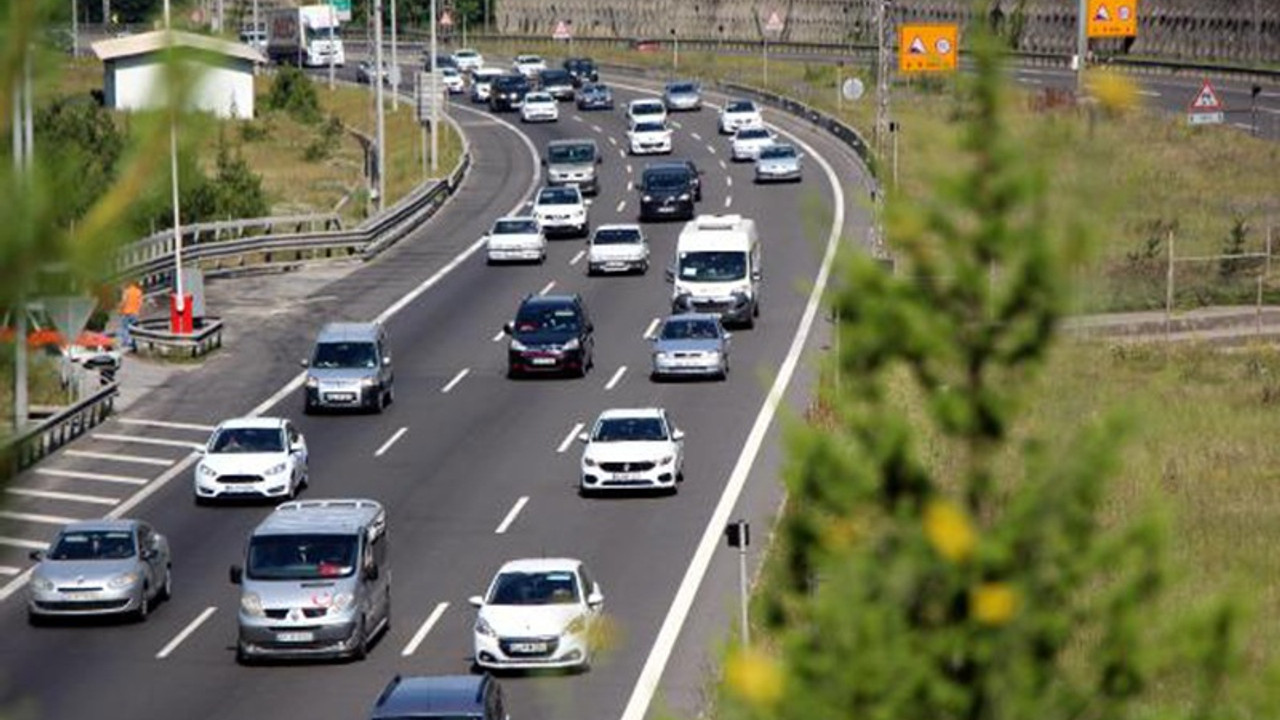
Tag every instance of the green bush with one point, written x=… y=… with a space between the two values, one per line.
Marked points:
x=293 y=93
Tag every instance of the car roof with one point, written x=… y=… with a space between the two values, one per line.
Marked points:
x=100 y=524
x=467 y=51
x=668 y=166
x=487 y=70
x=348 y=332
x=614 y=413
x=569 y=142
x=518 y=218
x=533 y=565
x=691 y=316
x=338 y=516
x=252 y=422
x=646 y=101
x=434 y=695
x=538 y=95
x=549 y=300
x=620 y=226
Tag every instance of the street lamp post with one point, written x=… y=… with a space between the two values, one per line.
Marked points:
x=381 y=155
x=675 y=52
x=395 y=63
x=179 y=291
x=435 y=95
x=75 y=28
x=1082 y=43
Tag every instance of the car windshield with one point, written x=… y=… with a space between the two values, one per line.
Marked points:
x=777 y=152
x=555 y=77
x=247 y=440
x=577 y=153
x=630 y=429
x=302 y=557
x=465 y=54
x=534 y=588
x=645 y=127
x=93 y=545
x=647 y=108
x=616 y=236
x=449 y=72
x=713 y=266
x=682 y=88
x=558 y=196
x=666 y=181
x=336 y=355
x=547 y=319
x=538 y=98
x=524 y=226
x=595 y=90
x=740 y=106
x=529 y=60
x=510 y=83
x=753 y=134
x=681 y=329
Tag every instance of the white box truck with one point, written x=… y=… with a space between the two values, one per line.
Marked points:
x=717 y=269
x=306 y=36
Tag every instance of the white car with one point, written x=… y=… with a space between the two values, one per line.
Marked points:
x=514 y=239
x=530 y=66
x=646 y=110
x=482 y=82
x=617 y=248
x=539 y=107
x=739 y=113
x=467 y=59
x=248 y=458
x=749 y=141
x=452 y=81
x=648 y=138
x=632 y=449
x=537 y=613
x=561 y=209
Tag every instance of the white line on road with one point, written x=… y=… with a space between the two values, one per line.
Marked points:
x=35 y=518
x=711 y=149
x=629 y=169
x=69 y=497
x=728 y=200
x=596 y=128
x=511 y=515
x=392 y=440
x=653 y=327
x=423 y=629
x=695 y=136
x=728 y=181
x=576 y=258
x=631 y=185
x=499 y=336
x=456 y=379
x=9 y=570
x=676 y=125
x=1030 y=81
x=20 y=543
x=547 y=288
x=617 y=376
x=621 y=204
x=613 y=140
x=186 y=632
x=167 y=424
x=1149 y=93
x=568 y=439
x=187 y=445
x=621 y=153
x=116 y=457
x=578 y=118
x=81 y=475
x=1273 y=111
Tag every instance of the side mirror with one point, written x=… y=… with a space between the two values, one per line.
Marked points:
x=595 y=599
x=36 y=555
x=509 y=328
x=755 y=275
x=544 y=162
x=304 y=362
x=236 y=574
x=671 y=273
x=584 y=437
x=476 y=601
x=297 y=447
x=149 y=553
x=599 y=160
x=677 y=435
x=728 y=336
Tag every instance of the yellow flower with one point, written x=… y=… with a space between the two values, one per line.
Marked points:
x=754 y=676
x=1115 y=92
x=949 y=531
x=993 y=603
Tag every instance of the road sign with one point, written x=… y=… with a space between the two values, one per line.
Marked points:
x=1112 y=18
x=343 y=9
x=426 y=102
x=774 y=24
x=1205 y=107
x=852 y=89
x=562 y=31
x=446 y=19
x=928 y=48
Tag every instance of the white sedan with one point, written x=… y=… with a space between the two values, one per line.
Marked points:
x=539 y=107
x=452 y=81
x=530 y=66
x=515 y=239
x=249 y=458
x=632 y=449
x=649 y=138
x=537 y=613
x=739 y=113
x=749 y=141
x=646 y=110
x=561 y=209
x=467 y=59
x=617 y=248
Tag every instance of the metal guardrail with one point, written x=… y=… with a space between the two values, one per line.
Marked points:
x=55 y=431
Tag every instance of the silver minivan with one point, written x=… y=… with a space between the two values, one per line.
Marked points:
x=573 y=162
x=349 y=367
x=316 y=581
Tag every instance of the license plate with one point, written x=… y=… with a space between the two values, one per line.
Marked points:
x=528 y=647
x=340 y=397
x=78 y=595
x=295 y=637
x=626 y=476
x=543 y=361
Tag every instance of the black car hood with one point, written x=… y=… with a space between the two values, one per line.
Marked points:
x=545 y=338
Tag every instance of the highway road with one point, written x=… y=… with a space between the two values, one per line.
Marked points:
x=475 y=469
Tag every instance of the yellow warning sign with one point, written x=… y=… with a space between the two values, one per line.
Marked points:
x=928 y=48
x=1112 y=18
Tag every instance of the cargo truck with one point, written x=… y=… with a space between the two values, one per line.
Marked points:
x=306 y=36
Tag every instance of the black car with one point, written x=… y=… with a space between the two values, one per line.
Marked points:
x=458 y=697
x=551 y=334
x=583 y=70
x=557 y=83
x=595 y=96
x=508 y=93
x=667 y=191
x=697 y=178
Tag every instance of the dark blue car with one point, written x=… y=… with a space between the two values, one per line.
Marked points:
x=594 y=96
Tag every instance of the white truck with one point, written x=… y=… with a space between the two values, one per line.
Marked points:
x=306 y=36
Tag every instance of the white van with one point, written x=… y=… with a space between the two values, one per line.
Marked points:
x=717 y=269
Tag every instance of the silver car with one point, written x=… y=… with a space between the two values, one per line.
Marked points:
x=778 y=162
x=683 y=95
x=100 y=567
x=691 y=345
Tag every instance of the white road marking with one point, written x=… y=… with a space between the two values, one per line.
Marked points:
x=511 y=515
x=577 y=257
x=186 y=632
x=499 y=336
x=622 y=153
x=167 y=424
x=20 y=543
x=676 y=125
x=631 y=185
x=588 y=202
x=628 y=168
x=423 y=629
x=185 y=444
x=711 y=149
x=35 y=518
x=116 y=457
x=392 y=440
x=613 y=140
x=1273 y=111
x=568 y=439
x=578 y=118
x=621 y=204
x=547 y=288
x=456 y=379
x=9 y=570
x=596 y=128
x=617 y=377
x=728 y=181
x=695 y=136
x=653 y=327
x=81 y=475
x=69 y=497
x=1149 y=93
x=728 y=200
x=724 y=165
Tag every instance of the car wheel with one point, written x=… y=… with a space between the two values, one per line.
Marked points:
x=361 y=650
x=144 y=604
x=512 y=373
x=308 y=409
x=35 y=619
x=644 y=268
x=242 y=657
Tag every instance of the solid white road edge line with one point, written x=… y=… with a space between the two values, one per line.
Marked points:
x=167 y=424
x=653 y=326
x=382 y=450
x=577 y=257
x=568 y=439
x=423 y=629
x=69 y=497
x=186 y=632
x=617 y=376
x=663 y=645
x=116 y=457
x=456 y=379
x=511 y=515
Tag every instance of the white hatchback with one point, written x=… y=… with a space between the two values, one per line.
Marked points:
x=648 y=138
x=749 y=141
x=739 y=113
x=537 y=613
x=529 y=66
x=632 y=449
x=467 y=59
x=252 y=458
x=539 y=107
x=515 y=239
x=646 y=110
x=617 y=248
x=561 y=209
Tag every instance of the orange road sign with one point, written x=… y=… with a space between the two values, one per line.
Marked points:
x=928 y=48
x=1112 y=18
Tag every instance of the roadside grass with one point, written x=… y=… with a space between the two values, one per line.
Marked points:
x=44 y=386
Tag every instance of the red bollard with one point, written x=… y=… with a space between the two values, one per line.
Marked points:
x=180 y=322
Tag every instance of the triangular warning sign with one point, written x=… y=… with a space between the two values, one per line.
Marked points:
x=561 y=31
x=774 y=23
x=916 y=47
x=1102 y=15
x=1207 y=99
x=446 y=20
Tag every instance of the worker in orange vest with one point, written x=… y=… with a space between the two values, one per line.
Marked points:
x=130 y=307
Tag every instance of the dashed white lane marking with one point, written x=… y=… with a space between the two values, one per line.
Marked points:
x=382 y=450
x=588 y=201
x=728 y=181
x=653 y=327
x=117 y=457
x=456 y=379
x=568 y=439
x=35 y=518
x=423 y=629
x=1273 y=111
x=629 y=169
x=622 y=153
x=1149 y=93
x=9 y=570
x=617 y=377
x=69 y=497
x=676 y=125
x=576 y=258
x=728 y=200
x=166 y=424
x=724 y=165
x=695 y=136
x=547 y=288
x=621 y=204
x=630 y=186
x=186 y=632
x=511 y=515
x=81 y=475
x=613 y=140
x=578 y=118
x=25 y=544
x=711 y=149
x=149 y=441
x=596 y=128
x=498 y=337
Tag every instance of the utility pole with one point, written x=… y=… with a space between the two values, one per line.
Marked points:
x=882 y=75
x=333 y=48
x=435 y=96
x=180 y=297
x=22 y=158
x=1082 y=44
x=394 y=75
x=75 y=28
x=378 y=100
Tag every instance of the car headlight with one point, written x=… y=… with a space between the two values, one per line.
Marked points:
x=251 y=605
x=484 y=628
x=646 y=198
x=666 y=459
x=313 y=382
x=206 y=471
x=123 y=580
x=684 y=197
x=41 y=584
x=366 y=382
x=277 y=468
x=573 y=344
x=518 y=346
x=341 y=602
x=588 y=462
x=577 y=625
